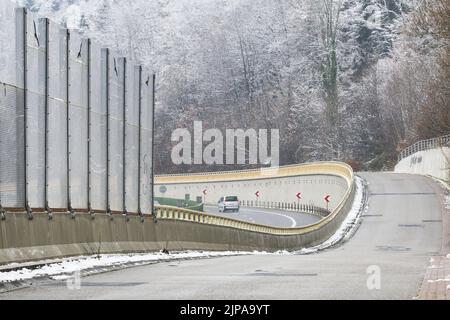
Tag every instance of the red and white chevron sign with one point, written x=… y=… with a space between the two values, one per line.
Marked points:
x=257 y=194
x=299 y=195
x=327 y=198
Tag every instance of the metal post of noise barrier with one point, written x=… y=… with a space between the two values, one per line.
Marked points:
x=124 y=139
x=89 y=132
x=152 y=174
x=25 y=116
x=140 y=145
x=70 y=210
x=108 y=207
x=46 y=130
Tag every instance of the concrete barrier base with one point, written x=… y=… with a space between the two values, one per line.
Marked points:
x=23 y=240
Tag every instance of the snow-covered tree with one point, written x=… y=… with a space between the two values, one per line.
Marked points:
x=340 y=79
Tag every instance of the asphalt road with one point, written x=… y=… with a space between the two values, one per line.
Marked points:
x=399 y=233
x=269 y=217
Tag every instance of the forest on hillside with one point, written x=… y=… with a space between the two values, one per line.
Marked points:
x=347 y=80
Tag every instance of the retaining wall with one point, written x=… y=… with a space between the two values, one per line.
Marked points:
x=433 y=162
x=24 y=239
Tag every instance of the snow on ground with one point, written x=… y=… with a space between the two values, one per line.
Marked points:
x=446 y=186
x=350 y=224
x=63 y=269
x=66 y=267
x=446 y=279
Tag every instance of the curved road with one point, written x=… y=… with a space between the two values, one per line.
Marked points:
x=399 y=233
x=269 y=217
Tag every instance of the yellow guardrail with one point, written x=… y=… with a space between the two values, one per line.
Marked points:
x=320 y=168
x=329 y=168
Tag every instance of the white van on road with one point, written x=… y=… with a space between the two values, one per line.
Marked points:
x=229 y=203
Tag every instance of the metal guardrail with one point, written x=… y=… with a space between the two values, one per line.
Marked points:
x=424 y=145
x=330 y=168
x=288 y=206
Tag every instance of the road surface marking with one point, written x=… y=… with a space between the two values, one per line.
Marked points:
x=294 y=223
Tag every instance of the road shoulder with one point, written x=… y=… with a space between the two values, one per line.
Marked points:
x=436 y=282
